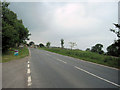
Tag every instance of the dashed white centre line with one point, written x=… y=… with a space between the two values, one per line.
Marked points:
x=62 y=61
x=28 y=71
x=48 y=54
x=28 y=65
x=29 y=81
x=97 y=76
x=28 y=62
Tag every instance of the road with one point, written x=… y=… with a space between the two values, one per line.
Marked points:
x=14 y=74
x=50 y=70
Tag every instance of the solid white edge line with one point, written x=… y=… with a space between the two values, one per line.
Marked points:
x=98 y=64
x=97 y=76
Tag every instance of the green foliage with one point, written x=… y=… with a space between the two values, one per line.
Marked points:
x=9 y=37
x=41 y=45
x=9 y=55
x=114 y=49
x=62 y=43
x=13 y=31
x=88 y=56
x=97 y=48
x=31 y=43
x=48 y=44
x=116 y=31
x=88 y=49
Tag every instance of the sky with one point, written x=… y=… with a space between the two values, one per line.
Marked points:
x=85 y=22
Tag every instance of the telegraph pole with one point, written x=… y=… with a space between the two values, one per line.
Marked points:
x=119 y=12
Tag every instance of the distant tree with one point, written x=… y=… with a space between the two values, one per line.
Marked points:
x=31 y=43
x=62 y=43
x=114 y=49
x=41 y=45
x=72 y=44
x=97 y=48
x=88 y=49
x=48 y=44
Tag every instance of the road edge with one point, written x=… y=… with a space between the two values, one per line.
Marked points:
x=86 y=61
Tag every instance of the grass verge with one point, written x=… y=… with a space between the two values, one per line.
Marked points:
x=8 y=56
x=88 y=56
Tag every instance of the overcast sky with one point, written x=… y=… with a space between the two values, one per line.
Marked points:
x=86 y=23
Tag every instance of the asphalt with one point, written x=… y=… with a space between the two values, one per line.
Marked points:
x=50 y=70
x=14 y=74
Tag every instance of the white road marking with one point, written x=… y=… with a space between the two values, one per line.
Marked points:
x=29 y=52
x=96 y=64
x=75 y=59
x=97 y=76
x=29 y=84
x=28 y=71
x=48 y=54
x=28 y=66
x=29 y=76
x=61 y=61
x=29 y=81
x=83 y=60
x=28 y=62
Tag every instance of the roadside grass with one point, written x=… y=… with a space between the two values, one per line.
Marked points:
x=88 y=56
x=8 y=56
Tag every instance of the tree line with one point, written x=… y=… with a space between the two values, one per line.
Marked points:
x=113 y=49
x=14 y=32
x=72 y=44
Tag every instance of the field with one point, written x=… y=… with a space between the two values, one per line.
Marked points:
x=23 y=52
x=88 y=56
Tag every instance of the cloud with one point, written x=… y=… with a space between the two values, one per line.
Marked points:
x=72 y=18
x=83 y=23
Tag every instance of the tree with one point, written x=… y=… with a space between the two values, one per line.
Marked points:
x=116 y=31
x=72 y=44
x=88 y=49
x=62 y=42
x=48 y=44
x=41 y=45
x=31 y=43
x=114 y=49
x=9 y=37
x=13 y=31
x=97 y=48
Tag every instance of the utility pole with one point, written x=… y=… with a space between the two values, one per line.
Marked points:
x=119 y=13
